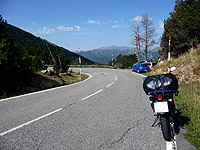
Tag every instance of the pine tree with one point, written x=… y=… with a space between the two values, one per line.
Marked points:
x=14 y=67
x=183 y=26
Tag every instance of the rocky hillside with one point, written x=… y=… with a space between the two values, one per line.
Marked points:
x=187 y=66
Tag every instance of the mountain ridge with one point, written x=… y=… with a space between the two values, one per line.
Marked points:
x=25 y=38
x=103 y=55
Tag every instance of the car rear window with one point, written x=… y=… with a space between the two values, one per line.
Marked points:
x=145 y=65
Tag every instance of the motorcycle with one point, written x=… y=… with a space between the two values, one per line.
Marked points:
x=161 y=90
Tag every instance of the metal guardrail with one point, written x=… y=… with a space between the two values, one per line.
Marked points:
x=91 y=66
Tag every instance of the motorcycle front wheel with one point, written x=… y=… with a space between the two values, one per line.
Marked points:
x=165 y=127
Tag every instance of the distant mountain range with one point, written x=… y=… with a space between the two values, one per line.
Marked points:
x=104 y=54
x=24 y=38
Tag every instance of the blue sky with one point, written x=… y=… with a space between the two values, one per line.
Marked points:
x=87 y=24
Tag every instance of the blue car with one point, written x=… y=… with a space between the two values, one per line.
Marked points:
x=141 y=67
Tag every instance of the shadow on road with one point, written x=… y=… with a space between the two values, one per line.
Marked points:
x=179 y=121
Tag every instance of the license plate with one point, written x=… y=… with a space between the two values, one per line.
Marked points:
x=160 y=107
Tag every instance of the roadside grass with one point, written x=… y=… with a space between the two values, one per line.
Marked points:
x=189 y=57
x=73 y=78
x=188 y=101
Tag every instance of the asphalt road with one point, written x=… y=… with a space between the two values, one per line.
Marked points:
x=107 y=111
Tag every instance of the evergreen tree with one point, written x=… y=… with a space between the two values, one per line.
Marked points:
x=183 y=26
x=64 y=61
x=124 y=61
x=14 y=67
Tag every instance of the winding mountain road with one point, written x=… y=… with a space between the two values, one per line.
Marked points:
x=107 y=111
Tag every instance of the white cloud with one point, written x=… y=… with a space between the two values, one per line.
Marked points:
x=116 y=26
x=62 y=28
x=140 y=18
x=119 y=26
x=45 y=30
x=117 y=21
x=137 y=18
x=161 y=27
x=95 y=22
x=161 y=24
x=114 y=21
x=77 y=28
x=33 y=23
x=85 y=33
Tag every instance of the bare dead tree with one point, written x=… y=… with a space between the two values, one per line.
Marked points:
x=149 y=33
x=136 y=38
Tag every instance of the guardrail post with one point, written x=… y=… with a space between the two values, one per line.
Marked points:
x=80 y=61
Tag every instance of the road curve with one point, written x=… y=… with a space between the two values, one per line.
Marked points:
x=108 y=111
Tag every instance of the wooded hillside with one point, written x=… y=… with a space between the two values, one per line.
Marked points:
x=22 y=54
x=28 y=40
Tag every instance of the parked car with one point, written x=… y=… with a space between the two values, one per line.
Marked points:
x=141 y=67
x=152 y=64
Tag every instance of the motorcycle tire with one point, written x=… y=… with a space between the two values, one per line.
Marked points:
x=165 y=127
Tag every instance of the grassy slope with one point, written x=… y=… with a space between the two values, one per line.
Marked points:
x=188 y=100
x=41 y=81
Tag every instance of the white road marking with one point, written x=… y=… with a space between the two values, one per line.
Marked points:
x=90 y=76
x=110 y=84
x=27 y=123
x=91 y=95
x=115 y=78
x=171 y=145
x=32 y=121
x=139 y=74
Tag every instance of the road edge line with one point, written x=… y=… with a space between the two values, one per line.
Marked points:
x=42 y=91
